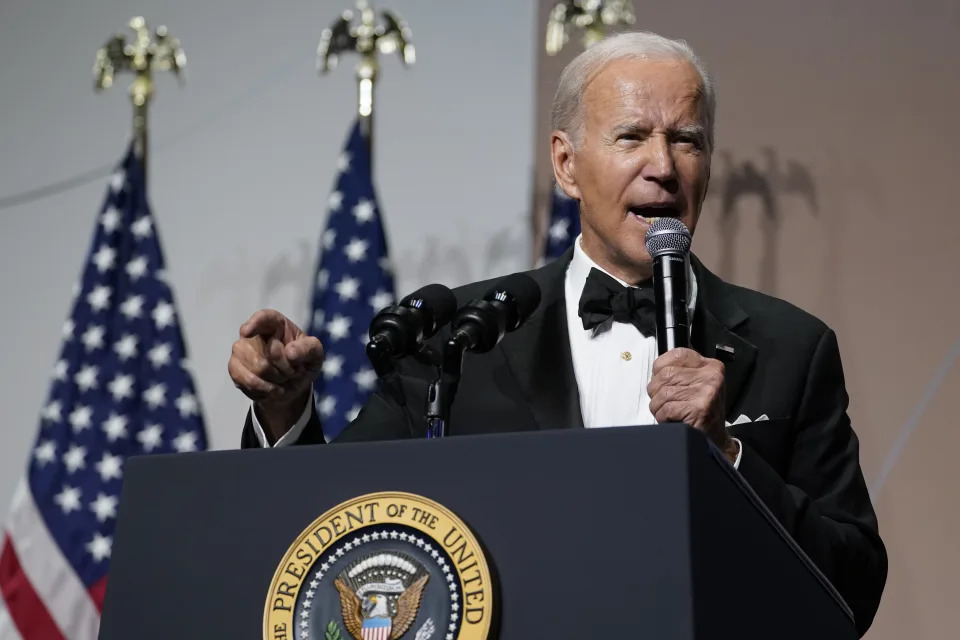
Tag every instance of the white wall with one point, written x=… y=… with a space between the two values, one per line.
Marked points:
x=242 y=162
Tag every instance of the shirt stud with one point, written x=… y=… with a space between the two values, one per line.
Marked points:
x=626 y=355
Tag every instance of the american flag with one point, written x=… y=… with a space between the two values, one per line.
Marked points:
x=120 y=388
x=564 y=224
x=353 y=281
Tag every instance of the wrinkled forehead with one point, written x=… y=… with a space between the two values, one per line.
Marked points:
x=666 y=88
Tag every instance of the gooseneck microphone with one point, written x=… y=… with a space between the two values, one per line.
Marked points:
x=668 y=243
x=478 y=327
x=398 y=330
x=480 y=324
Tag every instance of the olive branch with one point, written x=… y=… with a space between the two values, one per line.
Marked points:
x=334 y=632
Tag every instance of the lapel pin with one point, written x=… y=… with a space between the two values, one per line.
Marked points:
x=725 y=348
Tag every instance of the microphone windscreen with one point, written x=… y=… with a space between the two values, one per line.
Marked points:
x=523 y=289
x=667 y=235
x=436 y=299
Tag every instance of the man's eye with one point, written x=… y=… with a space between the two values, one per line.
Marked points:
x=692 y=141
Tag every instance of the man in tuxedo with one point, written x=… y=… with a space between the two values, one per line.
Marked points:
x=633 y=136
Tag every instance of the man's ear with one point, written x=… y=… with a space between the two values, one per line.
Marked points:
x=564 y=169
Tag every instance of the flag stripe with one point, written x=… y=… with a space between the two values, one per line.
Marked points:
x=8 y=630
x=97 y=593
x=27 y=612
x=51 y=575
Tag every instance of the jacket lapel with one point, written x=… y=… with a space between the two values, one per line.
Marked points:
x=715 y=318
x=538 y=354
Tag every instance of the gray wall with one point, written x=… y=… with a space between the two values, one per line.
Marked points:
x=242 y=164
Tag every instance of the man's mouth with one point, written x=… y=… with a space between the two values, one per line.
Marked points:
x=651 y=212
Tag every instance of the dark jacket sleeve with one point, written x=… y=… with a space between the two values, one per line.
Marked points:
x=385 y=416
x=312 y=433
x=823 y=500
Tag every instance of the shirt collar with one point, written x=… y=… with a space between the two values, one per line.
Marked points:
x=581 y=264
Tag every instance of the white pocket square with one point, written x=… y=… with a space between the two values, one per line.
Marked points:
x=744 y=418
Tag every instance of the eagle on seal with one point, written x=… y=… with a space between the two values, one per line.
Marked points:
x=380 y=595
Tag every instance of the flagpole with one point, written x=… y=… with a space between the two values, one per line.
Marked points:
x=141 y=56
x=366 y=80
x=368 y=39
x=140 y=93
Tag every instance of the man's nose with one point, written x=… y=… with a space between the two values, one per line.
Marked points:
x=658 y=162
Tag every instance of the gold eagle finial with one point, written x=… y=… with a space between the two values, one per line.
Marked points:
x=591 y=16
x=366 y=38
x=142 y=55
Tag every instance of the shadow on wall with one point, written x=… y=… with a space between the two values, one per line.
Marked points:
x=739 y=179
x=432 y=259
x=293 y=269
x=449 y=261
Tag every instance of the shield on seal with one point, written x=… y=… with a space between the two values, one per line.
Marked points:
x=376 y=629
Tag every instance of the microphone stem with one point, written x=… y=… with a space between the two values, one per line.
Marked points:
x=436 y=428
x=443 y=389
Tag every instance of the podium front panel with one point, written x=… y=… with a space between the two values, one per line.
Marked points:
x=588 y=532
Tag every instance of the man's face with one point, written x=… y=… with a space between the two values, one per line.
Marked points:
x=643 y=153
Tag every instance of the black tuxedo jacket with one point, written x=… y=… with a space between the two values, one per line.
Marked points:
x=780 y=361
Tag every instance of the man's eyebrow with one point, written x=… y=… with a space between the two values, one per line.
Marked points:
x=629 y=127
x=693 y=130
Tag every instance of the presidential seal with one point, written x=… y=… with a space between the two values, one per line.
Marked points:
x=383 y=566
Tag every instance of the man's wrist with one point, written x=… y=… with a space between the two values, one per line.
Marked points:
x=277 y=418
x=731 y=450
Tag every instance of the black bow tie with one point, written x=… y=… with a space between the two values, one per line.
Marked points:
x=603 y=298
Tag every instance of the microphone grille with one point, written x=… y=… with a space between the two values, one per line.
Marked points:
x=668 y=235
x=438 y=301
x=525 y=292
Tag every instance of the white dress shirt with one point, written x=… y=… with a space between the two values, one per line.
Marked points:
x=613 y=363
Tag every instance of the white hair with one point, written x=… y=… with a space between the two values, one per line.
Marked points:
x=567 y=112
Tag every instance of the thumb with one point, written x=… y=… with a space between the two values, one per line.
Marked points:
x=306 y=351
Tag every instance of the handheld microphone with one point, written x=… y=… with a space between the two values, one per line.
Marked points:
x=480 y=324
x=398 y=330
x=668 y=243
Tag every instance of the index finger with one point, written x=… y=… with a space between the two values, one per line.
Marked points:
x=678 y=357
x=265 y=322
